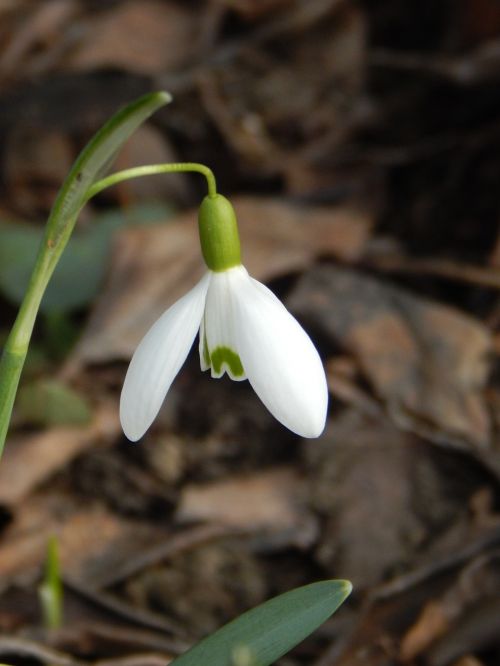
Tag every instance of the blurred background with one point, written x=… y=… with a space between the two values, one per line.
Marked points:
x=360 y=145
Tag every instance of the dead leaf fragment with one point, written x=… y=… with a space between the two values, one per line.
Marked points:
x=468 y=661
x=144 y=36
x=254 y=9
x=91 y=540
x=50 y=451
x=36 y=162
x=440 y=620
x=269 y=500
x=428 y=362
x=361 y=482
x=43 y=26
x=431 y=624
x=147 y=145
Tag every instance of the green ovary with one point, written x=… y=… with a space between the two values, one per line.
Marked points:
x=225 y=355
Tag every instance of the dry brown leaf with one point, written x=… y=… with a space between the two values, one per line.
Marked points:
x=468 y=661
x=268 y=500
x=465 y=611
x=476 y=631
x=431 y=624
x=255 y=9
x=361 y=474
x=144 y=36
x=154 y=266
x=148 y=145
x=428 y=362
x=479 y=20
x=35 y=163
x=43 y=25
x=31 y=460
x=255 y=112
x=150 y=269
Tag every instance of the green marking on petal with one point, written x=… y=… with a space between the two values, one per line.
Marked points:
x=222 y=355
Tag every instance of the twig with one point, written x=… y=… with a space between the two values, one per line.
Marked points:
x=22 y=647
x=485 y=277
x=121 y=608
x=135 y=660
x=178 y=543
x=486 y=538
x=478 y=65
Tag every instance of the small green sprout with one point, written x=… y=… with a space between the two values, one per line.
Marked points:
x=50 y=591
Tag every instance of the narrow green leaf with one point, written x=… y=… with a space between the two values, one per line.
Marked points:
x=11 y=365
x=97 y=156
x=272 y=629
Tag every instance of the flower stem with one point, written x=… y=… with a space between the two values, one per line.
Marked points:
x=151 y=170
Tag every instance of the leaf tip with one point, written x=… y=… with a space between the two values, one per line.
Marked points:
x=163 y=97
x=346 y=587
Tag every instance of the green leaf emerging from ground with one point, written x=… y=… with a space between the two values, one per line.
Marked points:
x=50 y=591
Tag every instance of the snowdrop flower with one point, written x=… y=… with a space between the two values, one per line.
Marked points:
x=244 y=330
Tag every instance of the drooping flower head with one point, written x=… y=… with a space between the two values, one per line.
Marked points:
x=244 y=330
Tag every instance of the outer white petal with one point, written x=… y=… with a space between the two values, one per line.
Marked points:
x=202 y=348
x=157 y=360
x=280 y=359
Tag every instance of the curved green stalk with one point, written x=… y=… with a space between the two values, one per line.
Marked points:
x=152 y=170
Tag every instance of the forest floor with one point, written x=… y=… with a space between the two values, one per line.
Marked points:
x=360 y=145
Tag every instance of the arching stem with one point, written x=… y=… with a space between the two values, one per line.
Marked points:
x=151 y=170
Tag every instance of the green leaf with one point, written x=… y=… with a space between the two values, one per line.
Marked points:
x=86 y=255
x=50 y=402
x=272 y=629
x=97 y=156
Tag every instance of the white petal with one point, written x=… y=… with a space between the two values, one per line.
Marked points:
x=157 y=360
x=280 y=359
x=217 y=327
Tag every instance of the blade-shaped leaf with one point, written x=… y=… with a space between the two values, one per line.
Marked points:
x=272 y=629
x=97 y=156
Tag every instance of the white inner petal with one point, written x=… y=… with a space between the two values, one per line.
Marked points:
x=217 y=332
